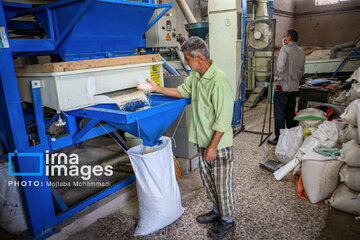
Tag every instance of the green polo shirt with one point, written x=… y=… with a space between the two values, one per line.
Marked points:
x=212 y=106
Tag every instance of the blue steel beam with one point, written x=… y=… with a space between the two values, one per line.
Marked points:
x=37 y=201
x=11 y=9
x=58 y=199
x=95 y=198
x=19 y=45
x=38 y=112
x=74 y=21
x=85 y=130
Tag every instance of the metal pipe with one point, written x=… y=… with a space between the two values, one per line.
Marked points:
x=262 y=10
x=338 y=47
x=169 y=68
x=186 y=11
x=181 y=57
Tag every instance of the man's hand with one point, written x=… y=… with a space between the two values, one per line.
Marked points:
x=210 y=154
x=154 y=87
x=278 y=88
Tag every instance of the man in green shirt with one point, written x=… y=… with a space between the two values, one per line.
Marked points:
x=210 y=128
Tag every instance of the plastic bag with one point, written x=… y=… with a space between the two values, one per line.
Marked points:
x=310 y=113
x=157 y=189
x=289 y=143
x=310 y=123
x=339 y=98
x=327 y=134
x=12 y=217
x=306 y=147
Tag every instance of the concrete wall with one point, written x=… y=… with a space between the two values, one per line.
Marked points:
x=326 y=26
x=284 y=13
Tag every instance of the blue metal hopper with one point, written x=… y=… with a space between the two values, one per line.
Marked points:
x=85 y=29
x=11 y=9
x=148 y=124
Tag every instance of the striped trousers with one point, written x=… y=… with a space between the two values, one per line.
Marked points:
x=217 y=177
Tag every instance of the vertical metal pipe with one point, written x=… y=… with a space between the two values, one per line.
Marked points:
x=169 y=68
x=186 y=11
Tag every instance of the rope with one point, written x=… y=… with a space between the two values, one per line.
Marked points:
x=177 y=126
x=112 y=137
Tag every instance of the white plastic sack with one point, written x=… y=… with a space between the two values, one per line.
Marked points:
x=320 y=175
x=306 y=147
x=349 y=133
x=354 y=92
x=12 y=218
x=350 y=154
x=356 y=75
x=327 y=134
x=346 y=200
x=310 y=113
x=358 y=118
x=350 y=114
x=289 y=143
x=309 y=144
x=157 y=189
x=310 y=123
x=339 y=98
x=351 y=177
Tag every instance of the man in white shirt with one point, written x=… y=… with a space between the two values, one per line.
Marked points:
x=290 y=68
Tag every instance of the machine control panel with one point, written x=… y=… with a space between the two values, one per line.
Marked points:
x=162 y=33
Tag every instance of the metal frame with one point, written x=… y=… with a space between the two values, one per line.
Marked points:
x=38 y=201
x=243 y=85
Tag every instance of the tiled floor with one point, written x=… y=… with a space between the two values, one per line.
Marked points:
x=265 y=208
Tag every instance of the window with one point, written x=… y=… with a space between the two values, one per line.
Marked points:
x=325 y=2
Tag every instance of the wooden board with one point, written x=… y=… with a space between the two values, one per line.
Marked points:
x=88 y=64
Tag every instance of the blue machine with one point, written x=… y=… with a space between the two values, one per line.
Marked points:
x=74 y=30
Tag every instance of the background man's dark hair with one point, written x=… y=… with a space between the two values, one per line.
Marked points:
x=293 y=35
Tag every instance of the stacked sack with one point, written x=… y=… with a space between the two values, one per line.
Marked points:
x=347 y=195
x=309 y=119
x=345 y=97
x=320 y=173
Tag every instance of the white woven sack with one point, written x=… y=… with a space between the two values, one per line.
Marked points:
x=350 y=114
x=350 y=154
x=354 y=92
x=12 y=217
x=311 y=113
x=351 y=177
x=349 y=133
x=157 y=189
x=327 y=134
x=320 y=176
x=289 y=143
x=310 y=123
x=346 y=200
x=356 y=75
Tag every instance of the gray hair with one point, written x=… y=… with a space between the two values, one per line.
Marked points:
x=195 y=46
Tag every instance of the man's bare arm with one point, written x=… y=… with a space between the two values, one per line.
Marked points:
x=210 y=151
x=171 y=92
